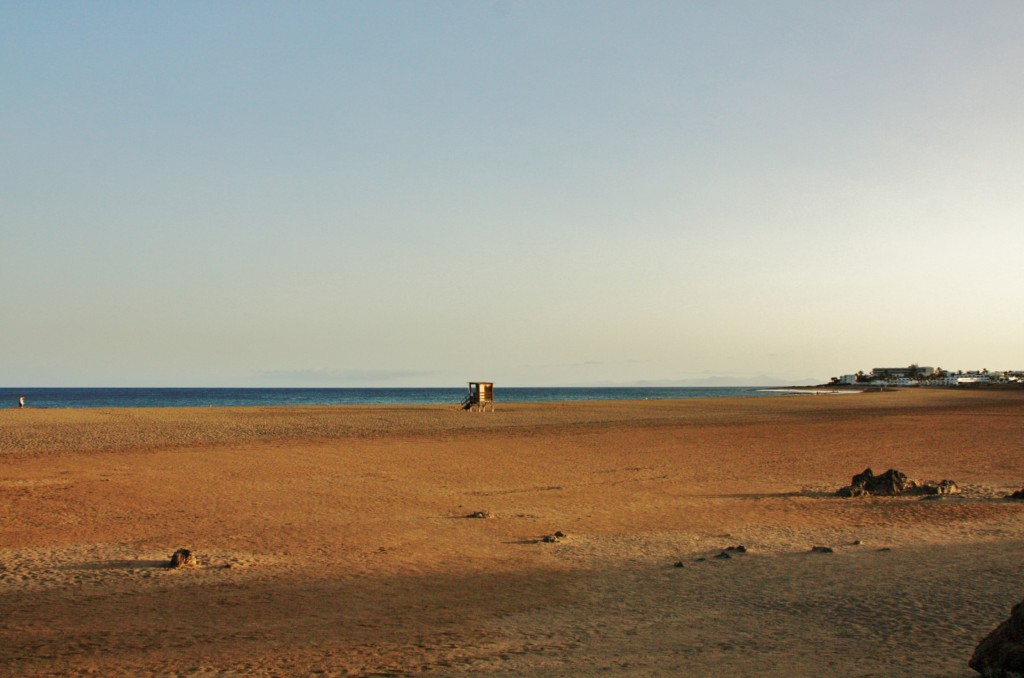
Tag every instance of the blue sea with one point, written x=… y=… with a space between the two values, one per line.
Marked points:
x=252 y=397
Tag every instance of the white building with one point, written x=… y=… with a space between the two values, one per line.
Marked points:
x=941 y=381
x=912 y=372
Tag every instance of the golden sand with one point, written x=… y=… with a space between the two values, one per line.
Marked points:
x=334 y=540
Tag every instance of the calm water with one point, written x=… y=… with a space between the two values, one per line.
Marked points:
x=248 y=397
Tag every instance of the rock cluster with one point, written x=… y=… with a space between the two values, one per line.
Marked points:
x=182 y=558
x=553 y=538
x=890 y=483
x=729 y=550
x=894 y=483
x=1001 y=653
x=479 y=514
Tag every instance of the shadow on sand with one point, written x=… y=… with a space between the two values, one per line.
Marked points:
x=119 y=565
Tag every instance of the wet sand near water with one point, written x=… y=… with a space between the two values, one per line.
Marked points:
x=334 y=540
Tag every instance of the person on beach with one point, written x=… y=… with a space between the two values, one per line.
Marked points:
x=21 y=401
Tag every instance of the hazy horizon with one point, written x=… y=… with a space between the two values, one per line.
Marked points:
x=399 y=194
x=327 y=382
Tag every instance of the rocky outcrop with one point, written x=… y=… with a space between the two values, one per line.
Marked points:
x=889 y=484
x=893 y=483
x=182 y=558
x=1001 y=653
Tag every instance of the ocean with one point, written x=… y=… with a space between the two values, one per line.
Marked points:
x=252 y=397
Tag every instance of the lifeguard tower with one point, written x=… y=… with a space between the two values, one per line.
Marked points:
x=481 y=394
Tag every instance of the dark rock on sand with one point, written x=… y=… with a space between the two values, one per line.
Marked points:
x=942 y=488
x=182 y=558
x=1001 y=653
x=893 y=483
x=740 y=548
x=679 y=563
x=553 y=538
x=1018 y=495
x=821 y=549
x=890 y=483
x=479 y=514
x=724 y=555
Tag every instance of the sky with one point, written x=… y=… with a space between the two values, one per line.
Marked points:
x=531 y=193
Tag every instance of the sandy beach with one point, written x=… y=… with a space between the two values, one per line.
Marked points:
x=335 y=540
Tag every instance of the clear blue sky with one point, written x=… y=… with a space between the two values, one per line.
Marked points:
x=533 y=193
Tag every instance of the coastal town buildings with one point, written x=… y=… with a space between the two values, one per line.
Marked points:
x=910 y=372
x=917 y=375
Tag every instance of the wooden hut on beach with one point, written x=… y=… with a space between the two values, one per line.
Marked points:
x=481 y=394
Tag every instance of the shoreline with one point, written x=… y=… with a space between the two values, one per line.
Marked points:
x=91 y=398
x=796 y=390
